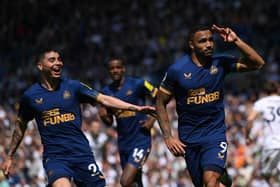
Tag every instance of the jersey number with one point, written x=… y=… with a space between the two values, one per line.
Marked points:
x=138 y=154
x=274 y=112
x=94 y=169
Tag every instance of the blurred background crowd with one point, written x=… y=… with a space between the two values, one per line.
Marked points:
x=150 y=35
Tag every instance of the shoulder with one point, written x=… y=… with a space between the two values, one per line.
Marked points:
x=134 y=80
x=268 y=99
x=262 y=102
x=223 y=57
x=33 y=89
x=181 y=62
x=70 y=81
x=75 y=84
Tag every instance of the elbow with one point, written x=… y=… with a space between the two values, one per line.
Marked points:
x=261 y=63
x=256 y=65
x=101 y=99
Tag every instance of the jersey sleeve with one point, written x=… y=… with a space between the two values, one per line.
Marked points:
x=86 y=93
x=26 y=112
x=258 y=106
x=148 y=88
x=168 y=82
x=230 y=63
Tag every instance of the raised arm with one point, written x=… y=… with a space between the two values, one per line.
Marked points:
x=173 y=144
x=17 y=137
x=251 y=60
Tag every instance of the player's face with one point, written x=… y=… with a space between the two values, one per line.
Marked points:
x=51 y=65
x=116 y=70
x=202 y=43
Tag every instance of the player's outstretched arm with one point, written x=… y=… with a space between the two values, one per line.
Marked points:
x=251 y=60
x=173 y=144
x=113 y=102
x=17 y=137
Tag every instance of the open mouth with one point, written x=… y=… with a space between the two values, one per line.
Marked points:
x=57 y=70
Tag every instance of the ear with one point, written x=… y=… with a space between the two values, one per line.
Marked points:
x=39 y=66
x=191 y=44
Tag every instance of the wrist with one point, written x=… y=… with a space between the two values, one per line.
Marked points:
x=9 y=156
x=165 y=136
x=236 y=39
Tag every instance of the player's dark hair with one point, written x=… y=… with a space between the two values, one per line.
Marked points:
x=112 y=58
x=191 y=33
x=40 y=53
x=271 y=87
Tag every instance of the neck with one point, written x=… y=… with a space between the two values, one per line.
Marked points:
x=50 y=84
x=118 y=83
x=199 y=60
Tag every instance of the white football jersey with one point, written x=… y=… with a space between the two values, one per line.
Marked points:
x=269 y=108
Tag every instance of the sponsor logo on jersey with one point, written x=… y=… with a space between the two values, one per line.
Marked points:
x=213 y=70
x=199 y=96
x=54 y=117
x=188 y=75
x=39 y=100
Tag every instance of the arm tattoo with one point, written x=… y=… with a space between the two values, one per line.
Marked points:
x=16 y=138
x=132 y=108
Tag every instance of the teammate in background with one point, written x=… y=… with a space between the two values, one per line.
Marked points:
x=268 y=108
x=196 y=81
x=54 y=102
x=134 y=138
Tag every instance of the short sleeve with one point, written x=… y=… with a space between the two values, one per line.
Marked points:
x=26 y=112
x=258 y=107
x=230 y=63
x=168 y=82
x=86 y=93
x=148 y=88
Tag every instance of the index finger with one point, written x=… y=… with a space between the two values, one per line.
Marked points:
x=216 y=28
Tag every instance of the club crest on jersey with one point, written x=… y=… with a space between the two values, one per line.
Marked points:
x=129 y=92
x=39 y=100
x=188 y=75
x=213 y=70
x=66 y=94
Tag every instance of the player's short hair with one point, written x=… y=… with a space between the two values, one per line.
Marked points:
x=108 y=60
x=271 y=87
x=191 y=33
x=40 y=53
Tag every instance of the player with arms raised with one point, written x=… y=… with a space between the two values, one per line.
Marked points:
x=196 y=81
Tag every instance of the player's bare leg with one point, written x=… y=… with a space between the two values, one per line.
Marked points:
x=61 y=182
x=131 y=176
x=211 y=179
